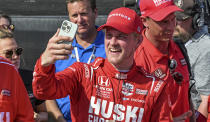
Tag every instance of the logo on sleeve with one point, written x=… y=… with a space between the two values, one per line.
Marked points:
x=5 y=92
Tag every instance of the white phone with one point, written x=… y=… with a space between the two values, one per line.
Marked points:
x=67 y=29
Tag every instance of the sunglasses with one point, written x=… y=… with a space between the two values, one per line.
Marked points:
x=8 y=27
x=9 y=53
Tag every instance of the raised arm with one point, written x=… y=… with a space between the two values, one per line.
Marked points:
x=45 y=84
x=56 y=51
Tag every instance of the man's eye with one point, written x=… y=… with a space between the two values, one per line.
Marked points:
x=164 y=21
x=122 y=36
x=83 y=14
x=74 y=15
x=108 y=36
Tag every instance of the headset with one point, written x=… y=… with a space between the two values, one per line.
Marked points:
x=201 y=14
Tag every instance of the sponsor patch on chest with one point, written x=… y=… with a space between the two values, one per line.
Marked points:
x=127 y=89
x=159 y=73
x=183 y=62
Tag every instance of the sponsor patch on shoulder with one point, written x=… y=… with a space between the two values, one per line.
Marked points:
x=183 y=62
x=159 y=73
x=5 y=92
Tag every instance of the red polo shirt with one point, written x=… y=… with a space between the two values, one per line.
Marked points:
x=155 y=62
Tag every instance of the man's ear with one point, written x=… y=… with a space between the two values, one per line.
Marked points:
x=139 y=40
x=96 y=12
x=144 y=21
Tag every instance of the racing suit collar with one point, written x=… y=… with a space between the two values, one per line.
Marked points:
x=114 y=73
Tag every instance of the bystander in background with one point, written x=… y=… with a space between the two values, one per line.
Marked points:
x=88 y=44
x=192 y=29
x=159 y=55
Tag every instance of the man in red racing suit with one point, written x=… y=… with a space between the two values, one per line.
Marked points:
x=100 y=92
x=112 y=89
x=15 y=105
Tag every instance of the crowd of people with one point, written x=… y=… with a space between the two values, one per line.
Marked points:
x=148 y=67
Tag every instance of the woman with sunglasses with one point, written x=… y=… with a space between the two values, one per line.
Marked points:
x=10 y=50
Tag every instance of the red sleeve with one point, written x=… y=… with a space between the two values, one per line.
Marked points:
x=48 y=85
x=162 y=110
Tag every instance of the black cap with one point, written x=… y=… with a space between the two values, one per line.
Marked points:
x=187 y=6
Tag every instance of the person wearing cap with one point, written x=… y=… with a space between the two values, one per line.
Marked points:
x=194 y=34
x=159 y=55
x=111 y=89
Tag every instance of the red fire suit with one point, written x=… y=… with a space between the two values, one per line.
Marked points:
x=15 y=105
x=100 y=93
x=155 y=62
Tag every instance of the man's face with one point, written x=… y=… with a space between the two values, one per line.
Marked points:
x=120 y=47
x=9 y=44
x=82 y=14
x=161 y=30
x=183 y=29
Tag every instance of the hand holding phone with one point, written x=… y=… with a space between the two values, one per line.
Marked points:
x=67 y=29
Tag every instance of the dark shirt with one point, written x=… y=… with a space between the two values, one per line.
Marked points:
x=27 y=77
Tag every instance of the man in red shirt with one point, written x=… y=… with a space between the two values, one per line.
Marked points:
x=159 y=55
x=15 y=105
x=108 y=89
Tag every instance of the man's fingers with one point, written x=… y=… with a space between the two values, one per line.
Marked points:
x=61 y=57
x=188 y=114
x=183 y=117
x=56 y=38
x=57 y=32
x=61 y=52
x=56 y=46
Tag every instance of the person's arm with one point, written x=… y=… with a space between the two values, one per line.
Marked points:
x=203 y=108
x=161 y=110
x=53 y=109
x=202 y=78
x=45 y=84
x=182 y=117
x=41 y=114
x=193 y=117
